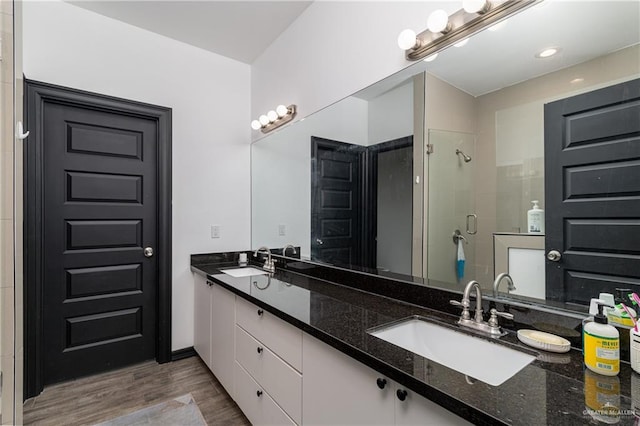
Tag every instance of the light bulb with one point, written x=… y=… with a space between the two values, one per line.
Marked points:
x=407 y=39
x=438 y=21
x=264 y=120
x=431 y=57
x=255 y=125
x=272 y=116
x=462 y=42
x=475 y=6
x=282 y=110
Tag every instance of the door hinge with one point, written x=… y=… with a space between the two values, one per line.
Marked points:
x=429 y=149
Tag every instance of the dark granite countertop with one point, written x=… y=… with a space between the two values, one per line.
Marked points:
x=554 y=389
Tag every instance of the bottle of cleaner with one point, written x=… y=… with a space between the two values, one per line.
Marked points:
x=617 y=315
x=535 y=219
x=601 y=345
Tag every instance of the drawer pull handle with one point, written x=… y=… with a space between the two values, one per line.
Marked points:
x=381 y=382
x=260 y=312
x=259 y=393
x=401 y=394
x=259 y=350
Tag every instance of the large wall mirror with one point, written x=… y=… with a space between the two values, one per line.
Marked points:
x=442 y=162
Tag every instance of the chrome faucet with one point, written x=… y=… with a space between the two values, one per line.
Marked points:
x=499 y=278
x=491 y=327
x=284 y=250
x=268 y=266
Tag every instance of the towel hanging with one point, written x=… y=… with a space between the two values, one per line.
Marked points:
x=460 y=259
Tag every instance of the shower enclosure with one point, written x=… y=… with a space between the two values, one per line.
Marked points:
x=450 y=207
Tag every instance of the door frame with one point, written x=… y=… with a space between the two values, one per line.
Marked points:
x=36 y=95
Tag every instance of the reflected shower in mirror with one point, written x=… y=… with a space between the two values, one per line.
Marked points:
x=500 y=114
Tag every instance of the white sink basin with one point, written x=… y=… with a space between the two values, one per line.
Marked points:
x=486 y=361
x=244 y=272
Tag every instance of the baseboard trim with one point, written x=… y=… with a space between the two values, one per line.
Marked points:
x=183 y=353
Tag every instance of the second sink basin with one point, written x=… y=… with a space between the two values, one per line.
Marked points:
x=486 y=361
x=244 y=272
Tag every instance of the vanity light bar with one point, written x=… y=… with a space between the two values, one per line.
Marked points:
x=274 y=119
x=463 y=24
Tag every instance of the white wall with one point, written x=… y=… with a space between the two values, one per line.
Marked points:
x=391 y=114
x=334 y=49
x=209 y=95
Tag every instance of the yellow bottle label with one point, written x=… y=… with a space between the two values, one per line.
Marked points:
x=602 y=353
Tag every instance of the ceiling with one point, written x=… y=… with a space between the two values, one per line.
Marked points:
x=492 y=60
x=239 y=30
x=582 y=30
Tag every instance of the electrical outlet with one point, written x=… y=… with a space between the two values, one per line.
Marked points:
x=282 y=230
x=215 y=231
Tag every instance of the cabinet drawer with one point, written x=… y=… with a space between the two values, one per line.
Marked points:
x=282 y=338
x=247 y=353
x=255 y=403
x=278 y=378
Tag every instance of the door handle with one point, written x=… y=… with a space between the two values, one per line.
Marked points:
x=554 y=256
x=475 y=224
x=319 y=241
x=148 y=252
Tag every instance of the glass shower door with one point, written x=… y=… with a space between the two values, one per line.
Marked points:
x=450 y=208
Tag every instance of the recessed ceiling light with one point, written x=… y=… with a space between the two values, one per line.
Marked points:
x=577 y=80
x=462 y=42
x=431 y=57
x=549 y=51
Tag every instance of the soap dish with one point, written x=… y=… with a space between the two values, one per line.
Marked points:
x=545 y=341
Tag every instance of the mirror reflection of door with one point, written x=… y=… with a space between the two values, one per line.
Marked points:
x=361 y=204
x=592 y=168
x=390 y=204
x=451 y=206
x=336 y=199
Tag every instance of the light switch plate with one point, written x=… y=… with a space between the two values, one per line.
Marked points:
x=215 y=231
x=282 y=230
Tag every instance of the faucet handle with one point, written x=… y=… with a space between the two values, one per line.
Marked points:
x=465 y=308
x=464 y=304
x=493 y=321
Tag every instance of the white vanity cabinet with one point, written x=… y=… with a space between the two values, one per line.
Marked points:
x=338 y=390
x=268 y=371
x=202 y=318
x=259 y=359
x=223 y=322
x=214 y=323
x=417 y=410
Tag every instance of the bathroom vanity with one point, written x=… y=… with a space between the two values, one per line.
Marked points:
x=303 y=354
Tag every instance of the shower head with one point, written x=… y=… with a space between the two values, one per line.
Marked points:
x=465 y=157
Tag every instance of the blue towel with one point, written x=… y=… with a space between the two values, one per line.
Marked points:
x=460 y=260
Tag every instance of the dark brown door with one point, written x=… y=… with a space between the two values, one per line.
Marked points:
x=100 y=207
x=336 y=192
x=592 y=186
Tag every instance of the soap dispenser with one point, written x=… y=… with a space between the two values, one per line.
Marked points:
x=601 y=345
x=535 y=219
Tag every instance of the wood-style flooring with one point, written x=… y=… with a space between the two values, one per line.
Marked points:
x=94 y=399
